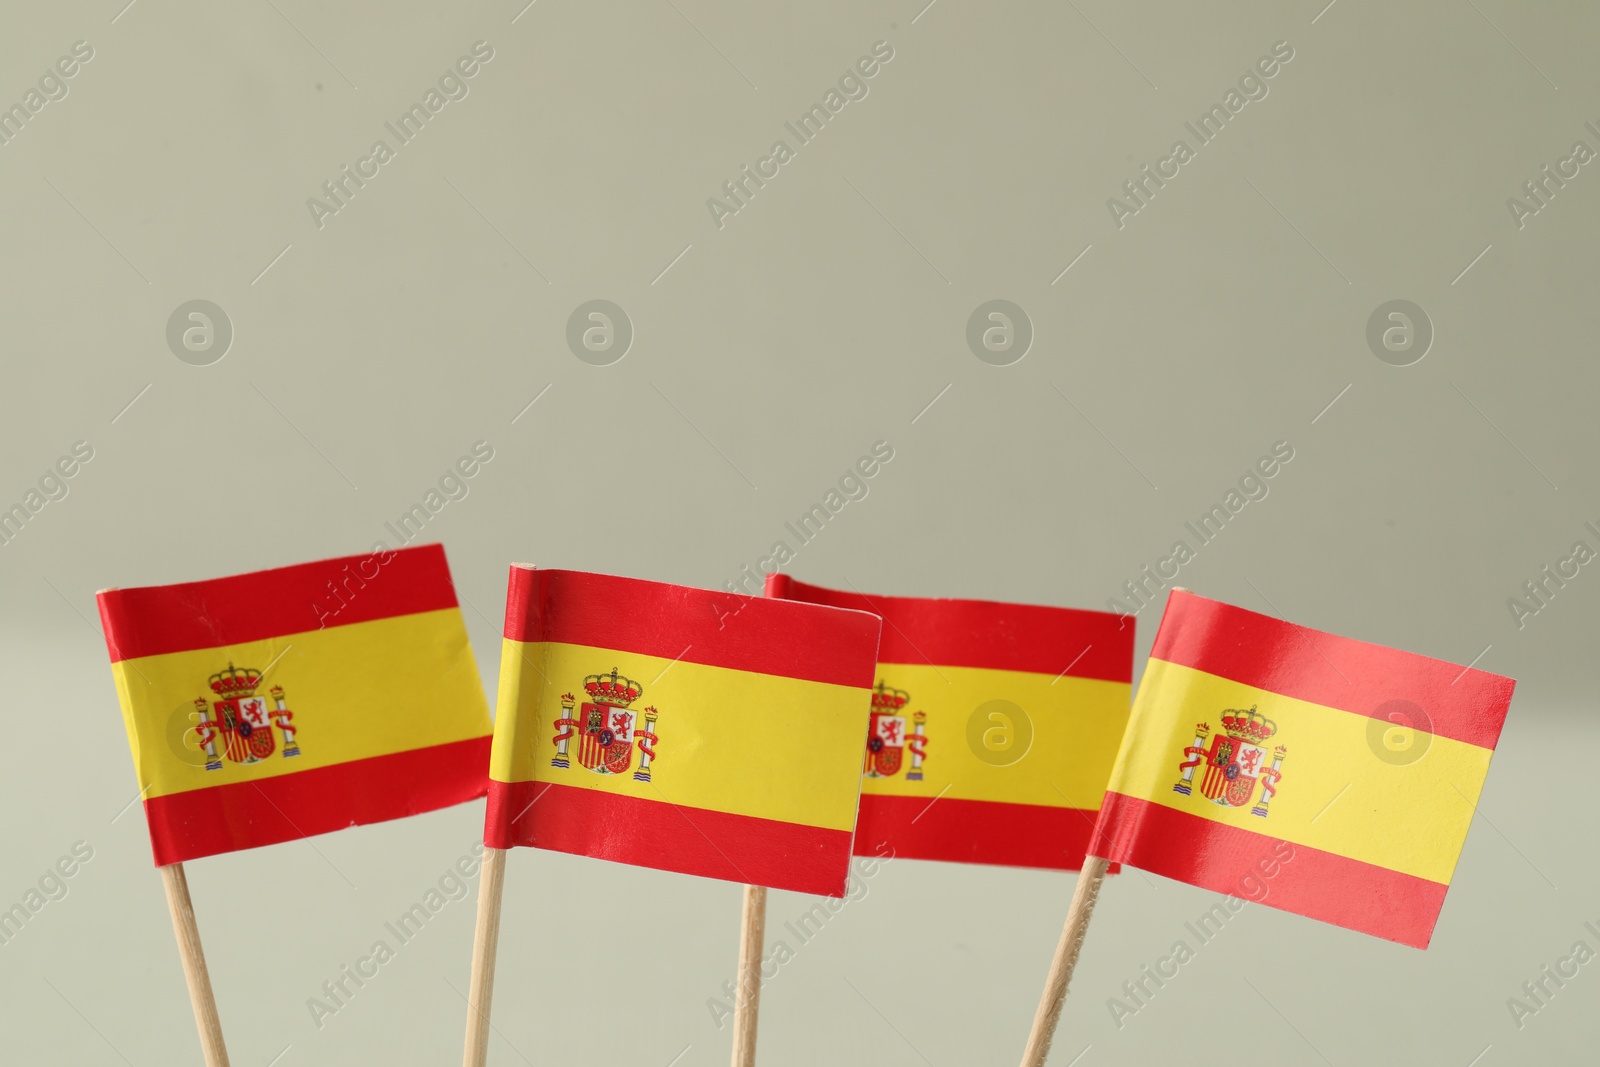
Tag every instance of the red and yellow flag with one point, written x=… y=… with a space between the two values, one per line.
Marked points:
x=680 y=729
x=993 y=727
x=275 y=705
x=1290 y=767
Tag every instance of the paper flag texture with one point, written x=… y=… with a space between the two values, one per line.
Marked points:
x=270 y=706
x=993 y=730
x=1283 y=765
x=680 y=729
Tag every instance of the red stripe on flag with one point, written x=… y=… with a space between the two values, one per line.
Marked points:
x=1337 y=672
x=157 y=619
x=668 y=837
x=1322 y=885
x=224 y=818
x=675 y=622
x=986 y=633
x=973 y=831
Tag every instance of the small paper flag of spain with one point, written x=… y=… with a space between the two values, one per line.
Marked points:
x=680 y=729
x=993 y=728
x=1320 y=775
x=271 y=706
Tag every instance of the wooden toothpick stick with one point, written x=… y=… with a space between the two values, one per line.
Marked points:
x=194 y=965
x=1066 y=958
x=485 y=942
x=752 y=936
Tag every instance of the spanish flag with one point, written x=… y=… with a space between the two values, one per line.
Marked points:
x=680 y=729
x=276 y=705
x=993 y=727
x=1317 y=774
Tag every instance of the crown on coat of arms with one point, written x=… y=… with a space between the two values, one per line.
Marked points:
x=1248 y=725
x=612 y=689
x=886 y=699
x=234 y=682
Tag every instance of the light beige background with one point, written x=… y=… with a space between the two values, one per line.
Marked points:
x=769 y=354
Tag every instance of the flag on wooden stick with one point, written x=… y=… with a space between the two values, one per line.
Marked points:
x=1317 y=774
x=993 y=729
x=271 y=706
x=680 y=729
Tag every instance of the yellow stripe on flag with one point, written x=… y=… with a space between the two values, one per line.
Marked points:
x=352 y=694
x=728 y=737
x=1012 y=737
x=1337 y=793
